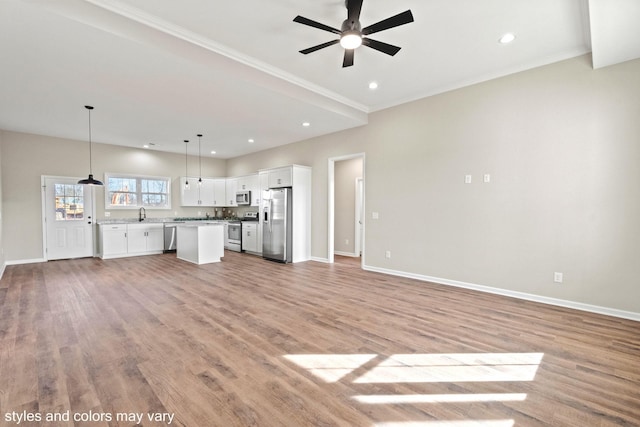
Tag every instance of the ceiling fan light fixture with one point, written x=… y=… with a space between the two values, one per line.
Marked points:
x=351 y=39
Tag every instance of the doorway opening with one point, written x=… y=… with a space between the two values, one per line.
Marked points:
x=346 y=207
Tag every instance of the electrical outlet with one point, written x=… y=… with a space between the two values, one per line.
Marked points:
x=375 y=215
x=487 y=177
x=557 y=277
x=467 y=179
x=387 y=254
x=107 y=214
x=346 y=241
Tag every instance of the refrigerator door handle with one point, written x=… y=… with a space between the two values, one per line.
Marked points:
x=270 y=216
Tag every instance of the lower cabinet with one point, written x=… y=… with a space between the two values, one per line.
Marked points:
x=113 y=240
x=121 y=240
x=250 y=241
x=145 y=238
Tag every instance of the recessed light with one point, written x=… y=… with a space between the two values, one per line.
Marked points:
x=145 y=146
x=306 y=124
x=213 y=152
x=251 y=141
x=507 y=38
x=373 y=85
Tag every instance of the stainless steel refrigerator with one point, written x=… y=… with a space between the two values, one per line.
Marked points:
x=276 y=225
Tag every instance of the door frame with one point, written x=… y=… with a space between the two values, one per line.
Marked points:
x=43 y=200
x=331 y=204
x=359 y=218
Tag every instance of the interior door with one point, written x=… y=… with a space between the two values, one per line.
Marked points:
x=68 y=209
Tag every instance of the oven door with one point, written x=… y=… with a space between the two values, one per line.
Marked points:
x=234 y=235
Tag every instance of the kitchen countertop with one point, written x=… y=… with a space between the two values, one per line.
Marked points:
x=162 y=220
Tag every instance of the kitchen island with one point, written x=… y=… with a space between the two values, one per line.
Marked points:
x=200 y=243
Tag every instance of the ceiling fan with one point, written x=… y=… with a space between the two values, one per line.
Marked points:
x=352 y=35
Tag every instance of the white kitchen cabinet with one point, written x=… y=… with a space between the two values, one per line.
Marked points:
x=210 y=192
x=263 y=184
x=250 y=183
x=189 y=196
x=207 y=196
x=250 y=237
x=219 y=191
x=122 y=240
x=280 y=177
x=145 y=239
x=231 y=188
x=113 y=240
x=203 y=243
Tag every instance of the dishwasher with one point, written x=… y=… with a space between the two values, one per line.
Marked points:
x=171 y=236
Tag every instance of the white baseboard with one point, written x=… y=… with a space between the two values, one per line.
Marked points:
x=4 y=265
x=350 y=254
x=316 y=259
x=520 y=295
x=26 y=261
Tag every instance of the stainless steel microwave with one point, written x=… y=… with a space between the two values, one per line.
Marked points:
x=243 y=198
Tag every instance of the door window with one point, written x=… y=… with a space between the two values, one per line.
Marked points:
x=69 y=202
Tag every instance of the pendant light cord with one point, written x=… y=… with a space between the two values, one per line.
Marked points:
x=199 y=159
x=186 y=163
x=90 y=144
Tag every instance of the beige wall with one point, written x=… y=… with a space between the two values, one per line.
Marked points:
x=25 y=158
x=562 y=145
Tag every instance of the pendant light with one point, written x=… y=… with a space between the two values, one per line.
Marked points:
x=199 y=160
x=90 y=180
x=186 y=164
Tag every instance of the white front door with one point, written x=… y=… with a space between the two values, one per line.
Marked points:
x=68 y=210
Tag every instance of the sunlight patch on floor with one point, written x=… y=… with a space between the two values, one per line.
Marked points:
x=394 y=399
x=468 y=367
x=330 y=367
x=465 y=423
x=426 y=368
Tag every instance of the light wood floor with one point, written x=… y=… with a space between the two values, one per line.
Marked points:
x=248 y=342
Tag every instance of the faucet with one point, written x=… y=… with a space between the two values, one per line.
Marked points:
x=142 y=214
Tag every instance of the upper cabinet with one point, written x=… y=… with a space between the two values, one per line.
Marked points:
x=189 y=196
x=210 y=192
x=219 y=191
x=231 y=189
x=250 y=183
x=281 y=177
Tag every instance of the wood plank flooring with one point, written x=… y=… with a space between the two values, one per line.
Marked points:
x=248 y=342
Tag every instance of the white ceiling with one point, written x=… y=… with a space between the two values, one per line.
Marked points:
x=161 y=71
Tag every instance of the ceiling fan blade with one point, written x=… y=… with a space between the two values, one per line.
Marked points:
x=348 y=58
x=306 y=21
x=318 y=47
x=387 y=48
x=353 y=8
x=405 y=17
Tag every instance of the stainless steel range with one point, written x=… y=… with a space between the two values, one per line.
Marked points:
x=234 y=231
x=234 y=236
